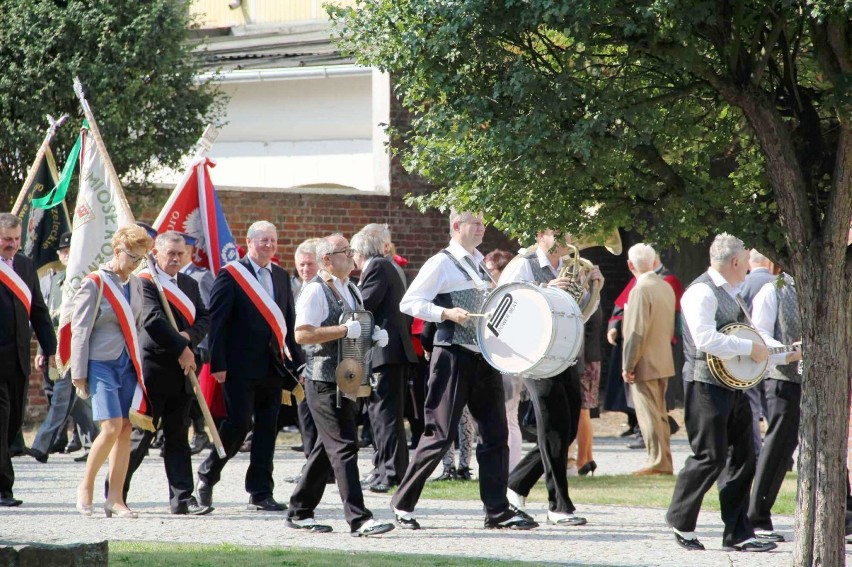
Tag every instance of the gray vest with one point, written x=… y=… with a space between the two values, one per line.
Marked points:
x=788 y=328
x=321 y=359
x=470 y=299
x=727 y=312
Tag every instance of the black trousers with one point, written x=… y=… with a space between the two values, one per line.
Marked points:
x=418 y=375
x=307 y=427
x=244 y=400
x=12 y=387
x=556 y=402
x=173 y=412
x=783 y=401
x=386 y=406
x=336 y=450
x=718 y=424
x=459 y=377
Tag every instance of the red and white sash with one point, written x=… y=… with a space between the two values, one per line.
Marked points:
x=127 y=322
x=16 y=285
x=263 y=302
x=177 y=298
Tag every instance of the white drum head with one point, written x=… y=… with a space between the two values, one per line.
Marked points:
x=743 y=367
x=519 y=330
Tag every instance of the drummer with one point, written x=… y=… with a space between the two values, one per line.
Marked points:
x=451 y=285
x=556 y=400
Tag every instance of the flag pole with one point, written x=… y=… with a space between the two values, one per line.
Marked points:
x=33 y=171
x=99 y=142
x=193 y=379
x=205 y=142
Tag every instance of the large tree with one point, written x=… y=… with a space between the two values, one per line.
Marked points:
x=135 y=61
x=677 y=118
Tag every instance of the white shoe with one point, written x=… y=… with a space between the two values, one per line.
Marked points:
x=563 y=519
x=516 y=500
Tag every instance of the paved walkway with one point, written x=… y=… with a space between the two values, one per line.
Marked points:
x=615 y=535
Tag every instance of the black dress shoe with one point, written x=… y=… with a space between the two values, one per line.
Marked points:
x=510 y=520
x=293 y=479
x=463 y=473
x=37 y=455
x=192 y=508
x=204 y=493
x=82 y=458
x=268 y=504
x=405 y=520
x=752 y=545
x=589 y=467
x=381 y=488
x=73 y=445
x=673 y=426
x=298 y=448
x=448 y=474
x=308 y=525
x=688 y=544
x=199 y=442
x=10 y=501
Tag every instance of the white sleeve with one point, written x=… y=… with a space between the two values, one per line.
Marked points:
x=311 y=307
x=764 y=313
x=518 y=270
x=698 y=306
x=418 y=300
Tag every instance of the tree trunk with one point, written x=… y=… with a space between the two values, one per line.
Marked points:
x=824 y=303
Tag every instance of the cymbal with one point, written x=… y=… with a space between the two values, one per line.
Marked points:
x=348 y=376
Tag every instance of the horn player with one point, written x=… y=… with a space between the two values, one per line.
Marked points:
x=556 y=401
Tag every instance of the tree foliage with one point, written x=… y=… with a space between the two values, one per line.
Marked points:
x=136 y=64
x=536 y=111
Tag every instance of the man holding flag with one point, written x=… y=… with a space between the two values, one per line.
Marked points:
x=21 y=305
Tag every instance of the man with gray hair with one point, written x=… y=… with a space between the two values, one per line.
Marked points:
x=382 y=289
x=761 y=272
x=647 y=361
x=383 y=232
x=306 y=265
x=21 y=305
x=718 y=418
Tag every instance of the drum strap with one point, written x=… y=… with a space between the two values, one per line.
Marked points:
x=480 y=269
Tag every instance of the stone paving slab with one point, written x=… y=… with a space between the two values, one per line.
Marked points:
x=615 y=535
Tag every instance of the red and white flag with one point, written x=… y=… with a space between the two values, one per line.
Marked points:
x=194 y=209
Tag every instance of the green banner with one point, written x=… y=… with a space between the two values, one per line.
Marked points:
x=57 y=195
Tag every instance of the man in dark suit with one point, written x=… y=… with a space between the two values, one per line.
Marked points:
x=17 y=313
x=168 y=355
x=247 y=359
x=382 y=290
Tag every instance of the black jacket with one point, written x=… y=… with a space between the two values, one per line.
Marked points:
x=241 y=341
x=382 y=290
x=161 y=344
x=16 y=332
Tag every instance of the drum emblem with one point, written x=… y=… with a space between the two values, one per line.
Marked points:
x=499 y=318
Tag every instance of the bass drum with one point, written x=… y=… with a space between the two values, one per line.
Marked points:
x=530 y=331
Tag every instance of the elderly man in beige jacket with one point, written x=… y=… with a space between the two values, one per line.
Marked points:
x=648 y=327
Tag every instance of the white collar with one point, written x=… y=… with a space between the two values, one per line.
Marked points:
x=718 y=279
x=459 y=252
x=544 y=261
x=256 y=267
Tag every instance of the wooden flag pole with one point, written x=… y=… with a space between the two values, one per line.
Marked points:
x=99 y=142
x=45 y=145
x=193 y=379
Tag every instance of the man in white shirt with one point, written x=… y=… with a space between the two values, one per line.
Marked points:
x=775 y=313
x=718 y=418
x=556 y=400
x=319 y=307
x=451 y=285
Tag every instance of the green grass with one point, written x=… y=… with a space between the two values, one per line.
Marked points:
x=127 y=554
x=623 y=490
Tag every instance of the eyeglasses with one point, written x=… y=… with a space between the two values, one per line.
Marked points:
x=347 y=251
x=135 y=258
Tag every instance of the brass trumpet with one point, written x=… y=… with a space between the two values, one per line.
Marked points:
x=576 y=268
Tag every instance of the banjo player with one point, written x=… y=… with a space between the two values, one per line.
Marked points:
x=718 y=418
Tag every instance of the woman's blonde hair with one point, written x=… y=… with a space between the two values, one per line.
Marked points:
x=132 y=238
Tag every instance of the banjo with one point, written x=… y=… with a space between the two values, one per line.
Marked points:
x=742 y=372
